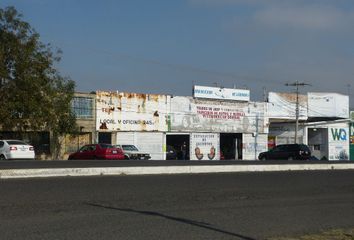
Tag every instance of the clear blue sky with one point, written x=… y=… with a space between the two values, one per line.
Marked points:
x=163 y=46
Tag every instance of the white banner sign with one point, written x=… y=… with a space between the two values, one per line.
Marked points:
x=328 y=105
x=221 y=93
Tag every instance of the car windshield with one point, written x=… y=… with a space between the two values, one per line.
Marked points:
x=129 y=148
x=304 y=148
x=16 y=142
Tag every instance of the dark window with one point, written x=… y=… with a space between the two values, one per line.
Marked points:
x=293 y=147
x=85 y=148
x=280 y=148
x=1 y=144
x=82 y=107
x=14 y=142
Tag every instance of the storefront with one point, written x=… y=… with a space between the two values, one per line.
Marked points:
x=329 y=140
x=219 y=129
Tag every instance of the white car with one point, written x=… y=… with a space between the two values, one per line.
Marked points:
x=16 y=149
x=132 y=152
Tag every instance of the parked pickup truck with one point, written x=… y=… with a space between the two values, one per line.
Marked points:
x=132 y=152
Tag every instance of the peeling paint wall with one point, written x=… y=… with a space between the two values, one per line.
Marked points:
x=120 y=111
x=200 y=115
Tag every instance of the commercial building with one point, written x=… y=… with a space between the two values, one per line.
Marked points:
x=214 y=123
x=212 y=126
x=323 y=123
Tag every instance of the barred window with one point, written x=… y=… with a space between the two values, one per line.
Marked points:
x=82 y=107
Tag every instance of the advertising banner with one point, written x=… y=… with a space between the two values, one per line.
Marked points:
x=283 y=106
x=338 y=143
x=197 y=115
x=328 y=105
x=131 y=111
x=204 y=146
x=221 y=93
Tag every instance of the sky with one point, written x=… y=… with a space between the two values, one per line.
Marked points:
x=166 y=47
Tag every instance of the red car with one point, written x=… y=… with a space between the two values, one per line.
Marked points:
x=98 y=151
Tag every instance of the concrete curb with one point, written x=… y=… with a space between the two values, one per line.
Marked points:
x=77 y=172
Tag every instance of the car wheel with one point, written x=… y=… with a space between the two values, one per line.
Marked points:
x=2 y=157
x=263 y=158
x=290 y=158
x=126 y=158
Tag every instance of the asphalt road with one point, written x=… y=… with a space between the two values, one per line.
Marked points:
x=203 y=206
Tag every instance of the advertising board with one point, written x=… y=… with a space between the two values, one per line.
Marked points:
x=201 y=115
x=338 y=142
x=221 y=93
x=204 y=146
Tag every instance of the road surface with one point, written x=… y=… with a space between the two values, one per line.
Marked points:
x=201 y=206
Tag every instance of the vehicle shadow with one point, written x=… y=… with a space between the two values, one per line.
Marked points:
x=182 y=220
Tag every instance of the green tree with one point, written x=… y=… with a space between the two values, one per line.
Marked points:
x=34 y=96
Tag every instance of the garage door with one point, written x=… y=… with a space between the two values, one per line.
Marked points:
x=145 y=141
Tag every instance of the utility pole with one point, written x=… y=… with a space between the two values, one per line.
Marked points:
x=348 y=87
x=264 y=94
x=297 y=84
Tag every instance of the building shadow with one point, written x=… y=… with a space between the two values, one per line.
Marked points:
x=172 y=218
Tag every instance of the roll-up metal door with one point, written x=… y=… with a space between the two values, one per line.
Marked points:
x=149 y=142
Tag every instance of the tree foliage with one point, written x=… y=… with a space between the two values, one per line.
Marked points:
x=33 y=94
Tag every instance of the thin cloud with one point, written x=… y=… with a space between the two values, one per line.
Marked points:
x=307 y=17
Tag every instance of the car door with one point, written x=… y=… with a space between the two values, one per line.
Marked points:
x=283 y=152
x=91 y=152
x=83 y=153
x=274 y=153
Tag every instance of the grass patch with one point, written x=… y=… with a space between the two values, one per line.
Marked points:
x=336 y=234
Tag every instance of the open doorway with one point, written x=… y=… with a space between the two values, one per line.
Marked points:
x=176 y=142
x=231 y=146
x=105 y=137
x=318 y=142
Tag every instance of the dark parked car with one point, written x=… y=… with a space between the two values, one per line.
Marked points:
x=287 y=152
x=98 y=151
x=171 y=153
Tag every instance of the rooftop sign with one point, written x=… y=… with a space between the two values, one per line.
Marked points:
x=221 y=93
